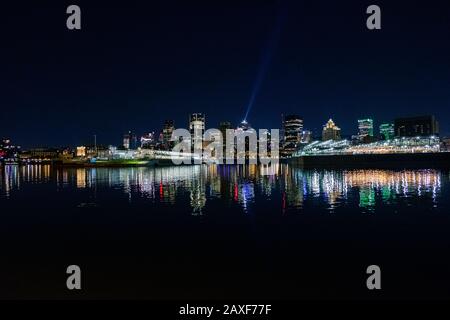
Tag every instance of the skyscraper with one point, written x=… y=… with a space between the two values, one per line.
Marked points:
x=197 y=129
x=387 y=131
x=306 y=136
x=416 y=126
x=129 y=140
x=292 y=128
x=223 y=127
x=244 y=125
x=148 y=141
x=243 y=129
x=168 y=129
x=365 y=129
x=331 y=131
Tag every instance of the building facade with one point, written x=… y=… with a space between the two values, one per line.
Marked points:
x=306 y=137
x=416 y=126
x=129 y=140
x=197 y=123
x=8 y=151
x=387 y=131
x=169 y=127
x=331 y=131
x=365 y=128
x=292 y=130
x=148 y=141
x=223 y=127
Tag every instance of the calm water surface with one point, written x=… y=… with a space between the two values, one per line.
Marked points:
x=225 y=232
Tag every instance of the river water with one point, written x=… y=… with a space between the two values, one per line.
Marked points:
x=224 y=232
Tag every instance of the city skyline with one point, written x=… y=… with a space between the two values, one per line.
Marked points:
x=129 y=139
x=133 y=140
x=164 y=62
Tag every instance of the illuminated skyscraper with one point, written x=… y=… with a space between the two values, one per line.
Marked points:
x=306 y=136
x=387 y=131
x=148 y=141
x=331 y=131
x=292 y=129
x=168 y=129
x=223 y=127
x=197 y=129
x=244 y=125
x=365 y=128
x=242 y=131
x=129 y=140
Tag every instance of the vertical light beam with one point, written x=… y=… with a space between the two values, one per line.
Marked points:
x=265 y=60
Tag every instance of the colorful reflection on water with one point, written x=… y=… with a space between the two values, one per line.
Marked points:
x=289 y=187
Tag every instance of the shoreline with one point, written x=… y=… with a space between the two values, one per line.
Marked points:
x=374 y=161
x=344 y=161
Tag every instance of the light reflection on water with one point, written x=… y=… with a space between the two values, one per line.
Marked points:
x=289 y=187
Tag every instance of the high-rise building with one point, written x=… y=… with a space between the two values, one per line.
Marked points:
x=126 y=141
x=245 y=128
x=331 y=131
x=416 y=126
x=292 y=129
x=197 y=129
x=148 y=141
x=223 y=127
x=306 y=136
x=129 y=141
x=169 y=127
x=244 y=125
x=387 y=131
x=365 y=128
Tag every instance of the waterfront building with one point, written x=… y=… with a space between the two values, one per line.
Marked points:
x=223 y=127
x=126 y=141
x=44 y=153
x=245 y=130
x=398 y=145
x=8 y=151
x=387 y=131
x=169 y=127
x=292 y=130
x=416 y=126
x=197 y=129
x=331 y=131
x=244 y=125
x=365 y=129
x=148 y=141
x=81 y=151
x=129 y=141
x=306 y=137
x=445 y=144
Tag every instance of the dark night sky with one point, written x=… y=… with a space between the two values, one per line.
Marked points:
x=135 y=64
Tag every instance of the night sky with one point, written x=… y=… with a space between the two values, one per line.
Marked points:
x=137 y=63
